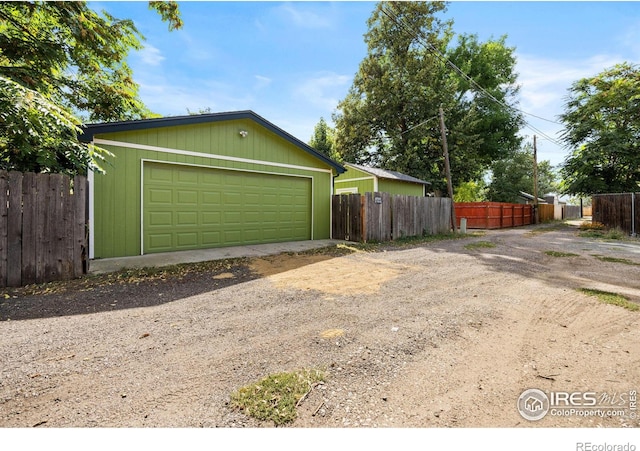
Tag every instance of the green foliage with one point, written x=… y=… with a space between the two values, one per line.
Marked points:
x=515 y=173
x=607 y=234
x=624 y=261
x=66 y=59
x=39 y=136
x=470 y=192
x=323 y=140
x=480 y=245
x=276 y=396
x=602 y=127
x=206 y=110
x=389 y=116
x=612 y=298
x=560 y=254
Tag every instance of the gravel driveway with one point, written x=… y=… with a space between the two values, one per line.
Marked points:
x=436 y=335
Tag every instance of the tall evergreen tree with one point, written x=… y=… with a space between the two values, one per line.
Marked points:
x=323 y=140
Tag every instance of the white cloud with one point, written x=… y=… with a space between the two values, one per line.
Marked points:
x=301 y=16
x=323 y=90
x=150 y=56
x=631 y=40
x=545 y=83
x=261 y=82
x=171 y=99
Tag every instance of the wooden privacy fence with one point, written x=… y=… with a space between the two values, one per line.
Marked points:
x=493 y=215
x=546 y=212
x=43 y=228
x=617 y=211
x=571 y=212
x=385 y=217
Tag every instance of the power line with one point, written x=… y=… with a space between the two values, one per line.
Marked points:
x=431 y=48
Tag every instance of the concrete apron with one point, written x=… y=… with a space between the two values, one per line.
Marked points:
x=106 y=265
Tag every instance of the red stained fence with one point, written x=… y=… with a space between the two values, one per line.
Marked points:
x=493 y=215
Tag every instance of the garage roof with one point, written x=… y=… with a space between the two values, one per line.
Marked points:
x=89 y=130
x=386 y=174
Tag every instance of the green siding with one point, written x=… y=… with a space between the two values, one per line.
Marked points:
x=344 y=180
x=349 y=179
x=399 y=187
x=117 y=205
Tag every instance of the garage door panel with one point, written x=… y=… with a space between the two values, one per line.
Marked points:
x=211 y=238
x=160 y=174
x=211 y=218
x=160 y=218
x=161 y=196
x=193 y=207
x=186 y=239
x=212 y=198
x=189 y=218
x=187 y=197
x=232 y=236
x=160 y=241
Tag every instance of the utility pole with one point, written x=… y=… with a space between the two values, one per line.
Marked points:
x=447 y=169
x=536 y=216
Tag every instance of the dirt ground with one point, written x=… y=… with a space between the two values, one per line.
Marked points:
x=428 y=336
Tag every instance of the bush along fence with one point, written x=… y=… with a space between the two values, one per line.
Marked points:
x=494 y=215
x=386 y=217
x=43 y=228
x=617 y=211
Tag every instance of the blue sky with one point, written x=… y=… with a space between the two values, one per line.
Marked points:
x=292 y=62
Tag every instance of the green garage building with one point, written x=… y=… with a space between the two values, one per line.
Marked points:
x=363 y=179
x=202 y=181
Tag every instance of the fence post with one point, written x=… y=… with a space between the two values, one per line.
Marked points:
x=4 y=187
x=14 y=230
x=633 y=215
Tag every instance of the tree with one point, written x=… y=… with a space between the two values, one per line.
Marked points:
x=602 y=129
x=470 y=192
x=74 y=56
x=514 y=174
x=38 y=135
x=323 y=139
x=389 y=116
x=67 y=59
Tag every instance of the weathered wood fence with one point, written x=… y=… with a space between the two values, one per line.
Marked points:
x=493 y=215
x=43 y=228
x=617 y=211
x=571 y=212
x=546 y=212
x=549 y=212
x=385 y=217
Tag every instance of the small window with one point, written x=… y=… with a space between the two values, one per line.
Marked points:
x=352 y=190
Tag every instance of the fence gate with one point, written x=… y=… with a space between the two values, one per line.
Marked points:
x=347 y=217
x=43 y=228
